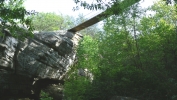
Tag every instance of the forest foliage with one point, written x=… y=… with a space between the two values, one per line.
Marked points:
x=54 y=22
x=135 y=57
x=51 y=22
x=13 y=18
x=20 y=23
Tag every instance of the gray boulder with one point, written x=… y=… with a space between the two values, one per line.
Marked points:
x=39 y=61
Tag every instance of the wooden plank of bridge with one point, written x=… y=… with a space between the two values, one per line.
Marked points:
x=102 y=16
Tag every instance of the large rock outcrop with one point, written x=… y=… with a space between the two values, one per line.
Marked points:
x=34 y=62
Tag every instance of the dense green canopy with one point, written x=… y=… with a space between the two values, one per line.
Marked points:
x=14 y=18
x=135 y=56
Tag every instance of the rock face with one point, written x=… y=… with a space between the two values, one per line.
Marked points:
x=23 y=64
x=86 y=73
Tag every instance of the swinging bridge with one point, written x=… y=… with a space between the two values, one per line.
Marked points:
x=115 y=10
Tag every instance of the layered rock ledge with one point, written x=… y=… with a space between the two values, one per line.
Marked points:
x=34 y=62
